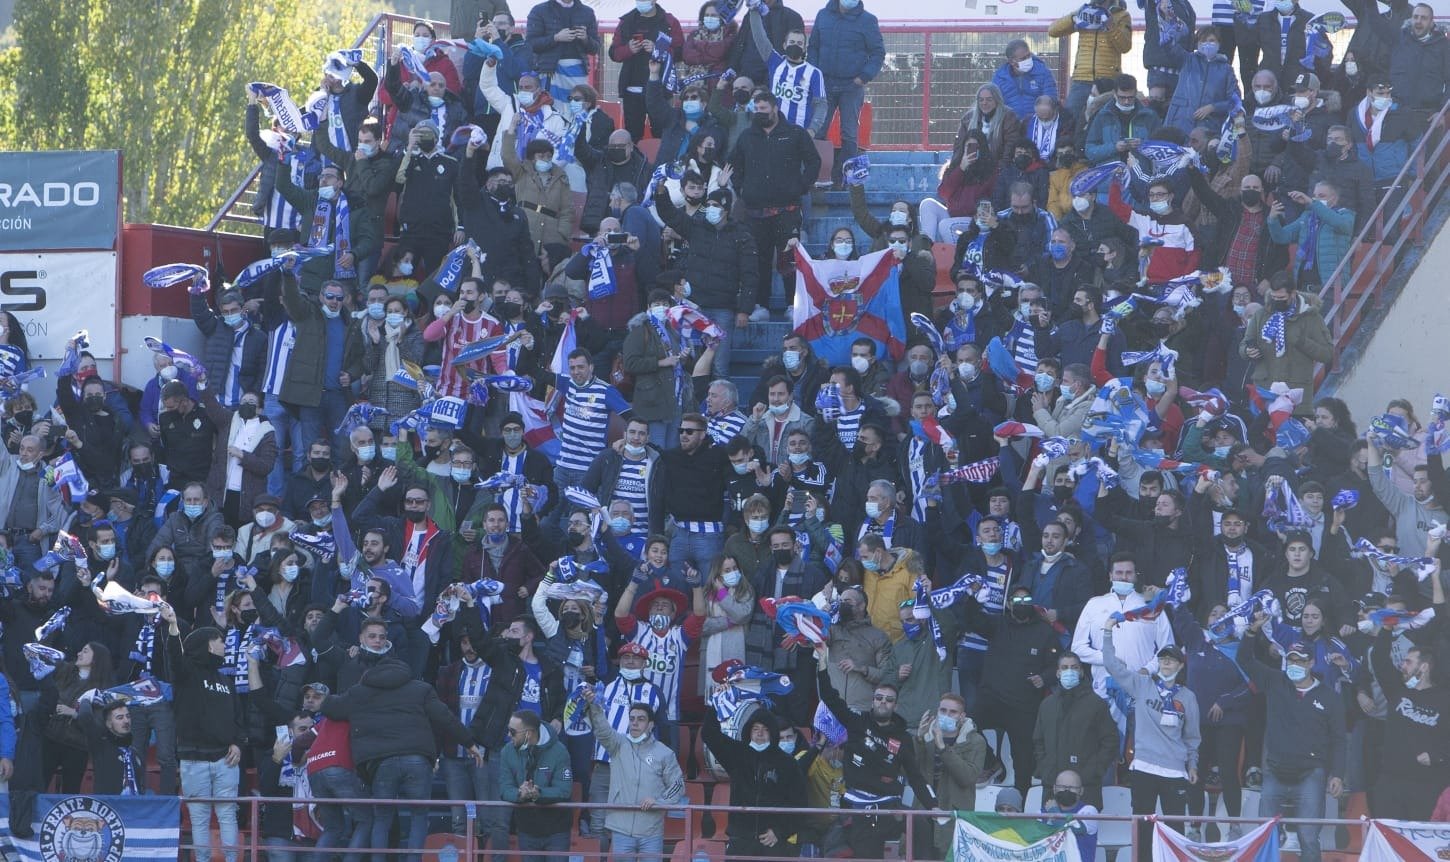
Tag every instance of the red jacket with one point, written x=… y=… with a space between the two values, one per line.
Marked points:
x=331 y=746
x=961 y=196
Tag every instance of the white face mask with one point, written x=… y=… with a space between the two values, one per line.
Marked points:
x=842 y=249
x=1381 y=103
x=1301 y=102
x=421 y=43
x=1351 y=68
x=967 y=371
x=860 y=363
x=897 y=218
x=1081 y=203
x=265 y=519
x=440 y=310
x=1263 y=97
x=1024 y=66
x=525 y=98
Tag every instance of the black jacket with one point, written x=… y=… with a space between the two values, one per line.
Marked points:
x=774 y=168
x=203 y=694
x=1160 y=549
x=1075 y=731
x=425 y=202
x=1018 y=650
x=1272 y=256
x=721 y=261
x=691 y=485
x=109 y=753
x=876 y=754
x=758 y=779
x=854 y=475
x=668 y=123
x=502 y=232
x=389 y=710
x=1305 y=730
x=1351 y=176
x=603 y=176
x=1269 y=58
x=219 y=343
x=187 y=445
x=507 y=683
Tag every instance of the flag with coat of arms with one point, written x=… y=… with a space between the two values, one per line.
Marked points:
x=838 y=301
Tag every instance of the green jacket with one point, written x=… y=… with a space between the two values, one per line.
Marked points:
x=365 y=233
x=1306 y=341
x=441 y=507
x=921 y=691
x=302 y=384
x=547 y=765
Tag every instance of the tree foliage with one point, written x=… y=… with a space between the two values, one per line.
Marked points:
x=164 y=82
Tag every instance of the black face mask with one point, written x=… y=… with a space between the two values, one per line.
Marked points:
x=247 y=410
x=25 y=419
x=1066 y=160
x=762 y=120
x=508 y=310
x=795 y=52
x=1065 y=798
x=576 y=537
x=1251 y=197
x=846 y=612
x=321 y=465
x=782 y=557
x=249 y=616
x=706 y=157
x=1061 y=493
x=513 y=645
x=571 y=620
x=694 y=200
x=1162 y=328
x=503 y=192
x=1023 y=611
x=431 y=452
x=144 y=471
x=742 y=97
x=618 y=155
x=1162 y=520
x=417 y=516
x=1333 y=150
x=1021 y=162
x=95 y=403
x=469 y=305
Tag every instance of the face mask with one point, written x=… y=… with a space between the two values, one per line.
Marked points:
x=620 y=525
x=95 y=403
x=873 y=509
x=164 y=568
x=1123 y=588
x=1209 y=50
x=1160 y=207
x=265 y=519
x=1058 y=250
x=860 y=363
x=1221 y=451
x=106 y=551
x=440 y=309
x=778 y=409
x=289 y=573
x=1021 y=162
x=842 y=249
x=1240 y=309
x=730 y=578
x=782 y=556
x=1296 y=673
x=741 y=469
x=1381 y=103
x=658 y=312
x=395 y=319
x=326 y=193
x=991 y=549
x=576 y=107
x=1065 y=390
x=460 y=474
x=967 y=371
x=366 y=453
x=947 y=723
x=633 y=451
x=1081 y=203
x=821 y=515
x=631 y=673
x=644 y=7
x=714 y=214
x=911 y=630
x=421 y=43
x=686 y=290
x=758 y=525
x=788 y=746
x=525 y=98
x=1413 y=682
x=897 y=218
x=249 y=616
x=221 y=554
x=1068 y=798
x=1024 y=310
x=659 y=621
x=799 y=458
x=1284 y=7
x=918 y=368
x=435 y=101
x=323 y=521
x=1263 y=97
x=983 y=224
x=1069 y=679
x=791 y=359
x=711 y=22
x=692 y=108
x=503 y=192
x=850 y=4
x=320 y=464
x=390 y=453
x=543 y=165
x=1024 y=66
x=1301 y=102
x=1251 y=197
x=330 y=313
x=382 y=650
x=193 y=510
x=1127 y=106
x=232 y=319
x=1365 y=626
x=869 y=565
x=1043 y=381
x=1155 y=387
x=1351 y=68
x=375 y=310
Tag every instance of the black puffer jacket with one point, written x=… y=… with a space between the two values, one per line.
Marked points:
x=603 y=176
x=774 y=168
x=507 y=683
x=758 y=779
x=501 y=233
x=389 y=709
x=721 y=263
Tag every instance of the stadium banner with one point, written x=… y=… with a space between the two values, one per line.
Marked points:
x=96 y=829
x=988 y=836
x=60 y=200
x=55 y=294
x=1260 y=845
x=1405 y=841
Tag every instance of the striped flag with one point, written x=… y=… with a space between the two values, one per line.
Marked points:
x=1260 y=845
x=95 y=827
x=538 y=432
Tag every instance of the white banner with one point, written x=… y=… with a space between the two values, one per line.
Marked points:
x=980 y=836
x=1406 y=841
x=1260 y=845
x=55 y=293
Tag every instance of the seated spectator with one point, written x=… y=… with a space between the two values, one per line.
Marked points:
x=967 y=178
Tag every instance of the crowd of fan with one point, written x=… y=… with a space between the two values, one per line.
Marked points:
x=330 y=588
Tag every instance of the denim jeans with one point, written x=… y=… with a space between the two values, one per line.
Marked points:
x=279 y=849
x=463 y=780
x=159 y=718
x=558 y=517
x=494 y=819
x=697 y=549
x=402 y=776
x=321 y=422
x=556 y=843
x=1077 y=99
x=27 y=552
x=339 y=822
x=725 y=319
x=628 y=848
x=969 y=675
x=211 y=778
x=1307 y=792
x=848 y=98
x=288 y=430
x=665 y=433
x=599 y=793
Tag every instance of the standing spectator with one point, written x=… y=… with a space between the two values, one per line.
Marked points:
x=707 y=49
x=1240 y=241
x=344 y=102
x=632 y=48
x=427 y=218
x=951 y=754
x=1323 y=233
x=1340 y=165
x=1105 y=34
x=846 y=45
x=646 y=776
x=1167 y=35
x=1205 y=90
x=327 y=215
x=1288 y=358
x=316 y=381
x=244 y=456
x=620 y=161
x=188 y=436
x=430 y=99
x=748 y=55
x=493 y=219
x=563 y=35
x=762 y=776
x=225 y=330
x=541 y=187
x=1165 y=737
x=1023 y=79
x=1074 y=731
x=536 y=774
x=1282 y=42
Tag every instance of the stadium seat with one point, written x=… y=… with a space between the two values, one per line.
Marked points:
x=1116 y=835
x=944 y=253
x=987 y=797
x=828 y=160
x=440 y=840
x=614 y=111
x=650 y=147
x=1034 y=799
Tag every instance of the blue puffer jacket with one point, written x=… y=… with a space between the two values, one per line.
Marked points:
x=1020 y=92
x=846 y=44
x=1392 y=150
x=1201 y=82
x=1109 y=126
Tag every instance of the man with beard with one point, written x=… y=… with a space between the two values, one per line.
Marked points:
x=880 y=750
x=115 y=767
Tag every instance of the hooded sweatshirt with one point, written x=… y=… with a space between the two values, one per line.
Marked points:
x=206 y=697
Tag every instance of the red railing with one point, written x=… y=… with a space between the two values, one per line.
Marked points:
x=1362 y=276
x=685 y=832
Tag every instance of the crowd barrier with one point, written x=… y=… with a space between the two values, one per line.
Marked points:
x=688 y=839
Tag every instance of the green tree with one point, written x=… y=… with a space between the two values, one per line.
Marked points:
x=164 y=82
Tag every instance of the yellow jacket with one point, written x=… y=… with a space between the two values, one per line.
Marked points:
x=885 y=591
x=1099 y=53
x=1059 y=189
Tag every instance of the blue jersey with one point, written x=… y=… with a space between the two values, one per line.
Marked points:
x=585 y=426
x=795 y=87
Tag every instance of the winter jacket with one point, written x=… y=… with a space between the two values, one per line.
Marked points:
x=1035 y=174
x=1003 y=129
x=1351 y=176
x=634 y=68
x=1229 y=214
x=219 y=340
x=745 y=55
x=1021 y=91
x=1099 y=53
x=548 y=18
x=878 y=755
x=302 y=385
x=920 y=692
x=1305 y=727
x=501 y=231
x=1419 y=67
x=1016 y=651
x=1391 y=148
x=413 y=107
x=1216 y=679
x=705 y=51
x=721 y=262
x=256 y=465
x=1075 y=731
x=507 y=684
x=1109 y=125
x=189 y=540
x=642 y=770
x=655 y=398
x=547 y=766
x=677 y=135
x=1164 y=745
x=1335 y=234
x=1065 y=587
x=960 y=193
x=1306 y=341
x=604 y=175
x=1201 y=81
x=953 y=770
x=1289 y=65
x=544 y=197
x=1371 y=46
x=204 y=694
x=388 y=710
x=845 y=44
x=758 y=779
x=870 y=649
x=775 y=168
x=364 y=236
x=1158 y=56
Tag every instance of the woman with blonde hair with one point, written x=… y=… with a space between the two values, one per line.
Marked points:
x=726 y=604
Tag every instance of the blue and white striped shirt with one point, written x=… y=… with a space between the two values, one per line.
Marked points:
x=722 y=428
x=472 y=683
x=996 y=599
x=666 y=665
x=633 y=485
x=585 y=427
x=848 y=425
x=795 y=87
x=619 y=695
x=279 y=350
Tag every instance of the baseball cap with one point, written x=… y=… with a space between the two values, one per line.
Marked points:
x=1298 y=648
x=1372 y=600
x=634 y=649
x=320 y=688
x=1306 y=81
x=1172 y=652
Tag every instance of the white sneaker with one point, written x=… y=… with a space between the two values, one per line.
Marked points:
x=1291 y=841
x=760 y=315
x=1194 y=833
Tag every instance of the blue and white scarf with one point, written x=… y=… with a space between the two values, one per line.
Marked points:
x=602 y=279
x=451 y=270
x=1275 y=330
x=292 y=260
x=145 y=645
x=322 y=215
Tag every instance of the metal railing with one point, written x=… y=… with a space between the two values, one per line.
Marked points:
x=1362 y=276
x=252 y=843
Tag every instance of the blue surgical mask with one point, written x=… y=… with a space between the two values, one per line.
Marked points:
x=1221 y=451
x=525 y=98
x=991 y=549
x=232 y=319
x=791 y=359
x=368 y=150
x=221 y=553
x=1069 y=679
x=324 y=521
x=1043 y=381
x=873 y=509
x=1058 y=250
x=326 y=193
x=946 y=723
x=1065 y=390
x=620 y=525
x=788 y=746
x=367 y=452
x=460 y=474
x=1209 y=50
x=395 y=318
x=164 y=568
x=692 y=108
x=850 y=4
x=106 y=551
x=193 y=510
x=870 y=564
x=714 y=214
x=390 y=453
x=375 y=310
x=543 y=165
x=1123 y=588
x=289 y=572
x=912 y=630
x=1155 y=387
x=842 y=249
x=405 y=268
x=759 y=746
x=799 y=458
x=1296 y=672
x=1160 y=207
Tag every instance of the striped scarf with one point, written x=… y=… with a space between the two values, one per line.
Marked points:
x=145 y=646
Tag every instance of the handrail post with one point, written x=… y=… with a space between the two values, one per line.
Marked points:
x=255 y=817
x=907 y=850
x=470 y=842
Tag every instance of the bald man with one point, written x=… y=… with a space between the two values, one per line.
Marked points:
x=418 y=102
x=619 y=162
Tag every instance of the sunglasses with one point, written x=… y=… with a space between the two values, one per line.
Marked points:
x=690 y=430
x=337 y=297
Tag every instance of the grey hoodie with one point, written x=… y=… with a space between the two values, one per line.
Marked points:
x=638 y=771
x=1171 y=746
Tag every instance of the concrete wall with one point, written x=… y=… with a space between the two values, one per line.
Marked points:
x=1405 y=358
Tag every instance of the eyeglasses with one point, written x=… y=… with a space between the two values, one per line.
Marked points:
x=884 y=698
x=690 y=430
x=416 y=501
